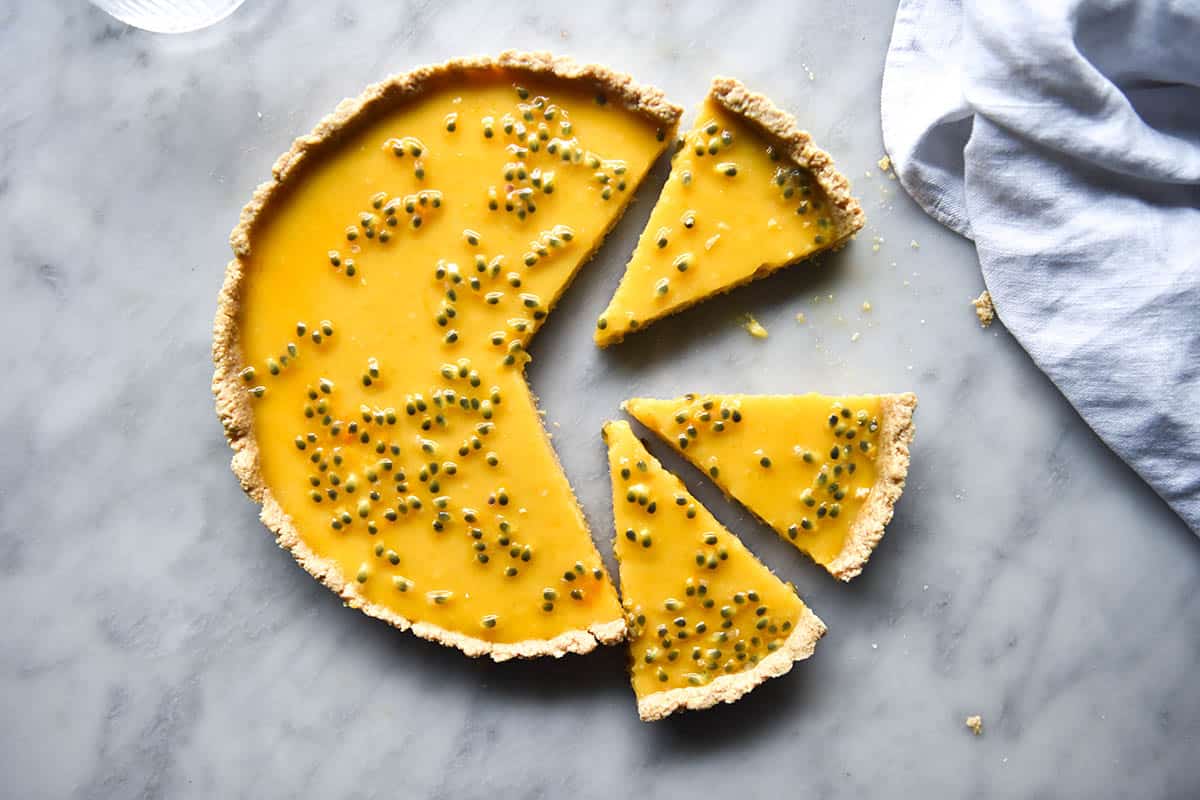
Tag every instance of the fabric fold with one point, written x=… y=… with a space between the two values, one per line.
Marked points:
x=1063 y=136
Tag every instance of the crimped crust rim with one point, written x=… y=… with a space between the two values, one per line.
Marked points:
x=896 y=430
x=798 y=146
x=233 y=407
x=730 y=688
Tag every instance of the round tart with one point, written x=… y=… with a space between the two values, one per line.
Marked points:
x=372 y=334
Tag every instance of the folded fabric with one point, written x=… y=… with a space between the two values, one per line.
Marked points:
x=1063 y=137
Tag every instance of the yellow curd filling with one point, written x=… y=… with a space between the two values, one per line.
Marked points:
x=804 y=464
x=387 y=307
x=698 y=604
x=733 y=209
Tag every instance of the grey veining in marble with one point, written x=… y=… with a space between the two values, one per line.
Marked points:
x=155 y=642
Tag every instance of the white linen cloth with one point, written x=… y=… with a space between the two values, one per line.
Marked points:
x=1063 y=137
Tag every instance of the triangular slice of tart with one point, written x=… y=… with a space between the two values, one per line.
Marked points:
x=748 y=193
x=824 y=472
x=372 y=334
x=707 y=620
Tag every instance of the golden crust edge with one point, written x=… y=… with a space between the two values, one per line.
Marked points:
x=647 y=100
x=781 y=126
x=232 y=405
x=778 y=124
x=730 y=688
x=895 y=434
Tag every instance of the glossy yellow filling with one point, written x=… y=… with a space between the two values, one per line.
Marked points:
x=698 y=603
x=388 y=303
x=804 y=464
x=732 y=209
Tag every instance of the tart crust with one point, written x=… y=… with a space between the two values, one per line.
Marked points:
x=895 y=435
x=232 y=404
x=729 y=688
x=798 y=146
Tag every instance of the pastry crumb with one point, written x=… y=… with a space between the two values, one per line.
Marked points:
x=866 y=306
x=801 y=318
x=984 y=309
x=855 y=336
x=884 y=163
x=975 y=723
x=754 y=327
x=914 y=244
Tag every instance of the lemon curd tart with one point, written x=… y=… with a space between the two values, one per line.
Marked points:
x=372 y=334
x=748 y=193
x=707 y=620
x=824 y=472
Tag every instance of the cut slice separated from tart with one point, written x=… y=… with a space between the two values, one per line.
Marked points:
x=707 y=620
x=748 y=193
x=824 y=472
x=372 y=334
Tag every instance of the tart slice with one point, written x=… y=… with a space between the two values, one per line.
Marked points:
x=707 y=621
x=824 y=472
x=748 y=193
x=372 y=335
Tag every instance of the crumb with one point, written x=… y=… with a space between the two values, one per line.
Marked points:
x=854 y=337
x=984 y=309
x=772 y=224
x=914 y=245
x=712 y=241
x=753 y=327
x=975 y=723
x=875 y=244
x=884 y=163
x=801 y=318
x=867 y=174
x=866 y=306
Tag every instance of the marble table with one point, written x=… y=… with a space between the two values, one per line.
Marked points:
x=156 y=643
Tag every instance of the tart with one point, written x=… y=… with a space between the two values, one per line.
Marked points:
x=707 y=621
x=824 y=472
x=372 y=334
x=748 y=193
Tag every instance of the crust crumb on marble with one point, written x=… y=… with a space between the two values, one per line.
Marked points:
x=754 y=327
x=895 y=435
x=798 y=146
x=975 y=723
x=729 y=688
x=984 y=309
x=885 y=163
x=232 y=404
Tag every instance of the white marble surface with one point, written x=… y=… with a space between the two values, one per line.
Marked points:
x=155 y=642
